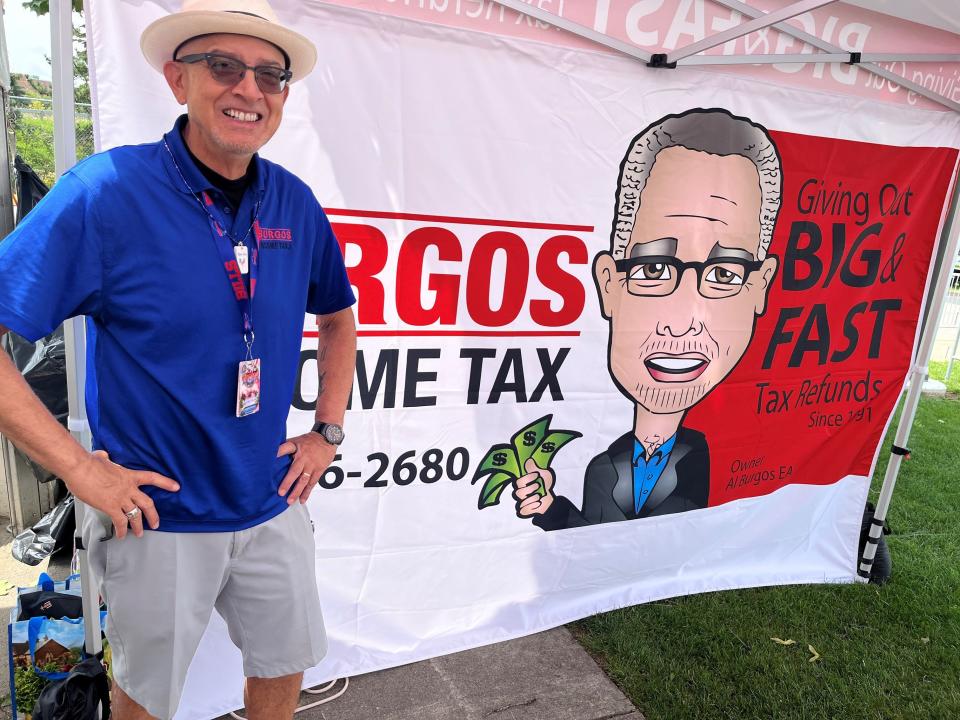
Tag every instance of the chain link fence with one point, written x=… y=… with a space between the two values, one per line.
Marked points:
x=32 y=121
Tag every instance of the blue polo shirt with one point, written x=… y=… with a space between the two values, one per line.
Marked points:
x=120 y=238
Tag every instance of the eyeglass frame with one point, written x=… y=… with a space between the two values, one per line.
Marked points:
x=625 y=265
x=285 y=74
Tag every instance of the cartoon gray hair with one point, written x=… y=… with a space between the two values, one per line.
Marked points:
x=715 y=131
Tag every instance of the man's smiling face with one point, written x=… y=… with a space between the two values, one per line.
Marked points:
x=668 y=351
x=227 y=122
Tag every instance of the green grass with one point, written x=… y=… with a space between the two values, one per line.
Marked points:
x=890 y=652
x=938 y=371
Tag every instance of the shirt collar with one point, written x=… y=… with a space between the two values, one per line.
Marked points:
x=182 y=164
x=660 y=455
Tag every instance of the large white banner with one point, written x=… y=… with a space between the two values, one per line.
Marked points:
x=699 y=415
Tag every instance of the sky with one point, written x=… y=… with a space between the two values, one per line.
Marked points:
x=28 y=40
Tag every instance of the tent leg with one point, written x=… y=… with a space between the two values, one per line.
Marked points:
x=93 y=643
x=61 y=50
x=950 y=239
x=74 y=330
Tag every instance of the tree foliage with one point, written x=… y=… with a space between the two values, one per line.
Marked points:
x=29 y=86
x=33 y=122
x=42 y=7
x=33 y=128
x=81 y=72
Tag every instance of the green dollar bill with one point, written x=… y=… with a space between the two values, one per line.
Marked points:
x=546 y=450
x=493 y=488
x=527 y=440
x=503 y=464
x=500 y=458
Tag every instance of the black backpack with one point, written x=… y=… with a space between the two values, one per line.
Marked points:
x=77 y=696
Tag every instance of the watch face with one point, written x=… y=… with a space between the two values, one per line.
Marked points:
x=333 y=433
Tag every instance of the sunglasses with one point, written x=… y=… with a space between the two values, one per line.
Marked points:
x=230 y=71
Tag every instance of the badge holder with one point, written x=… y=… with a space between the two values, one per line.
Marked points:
x=248 y=382
x=243 y=258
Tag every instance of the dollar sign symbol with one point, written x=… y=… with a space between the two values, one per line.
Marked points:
x=529 y=438
x=548 y=447
x=500 y=459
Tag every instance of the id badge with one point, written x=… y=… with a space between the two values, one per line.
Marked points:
x=243 y=258
x=248 y=387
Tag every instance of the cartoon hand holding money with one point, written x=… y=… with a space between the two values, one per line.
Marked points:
x=534 y=491
x=524 y=462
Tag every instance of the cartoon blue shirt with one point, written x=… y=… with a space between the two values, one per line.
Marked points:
x=646 y=471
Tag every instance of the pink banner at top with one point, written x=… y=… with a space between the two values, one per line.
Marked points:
x=666 y=25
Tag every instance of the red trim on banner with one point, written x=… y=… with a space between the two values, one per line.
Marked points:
x=457 y=220
x=457 y=333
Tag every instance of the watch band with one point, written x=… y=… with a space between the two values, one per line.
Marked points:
x=331 y=432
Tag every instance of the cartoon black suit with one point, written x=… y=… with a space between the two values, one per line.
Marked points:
x=685 y=278
x=608 y=492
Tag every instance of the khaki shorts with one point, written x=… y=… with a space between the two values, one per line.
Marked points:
x=161 y=589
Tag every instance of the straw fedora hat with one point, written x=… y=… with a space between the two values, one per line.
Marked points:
x=239 y=17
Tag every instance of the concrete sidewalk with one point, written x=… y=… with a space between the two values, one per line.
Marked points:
x=547 y=676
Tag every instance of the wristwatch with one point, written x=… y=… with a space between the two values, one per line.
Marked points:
x=331 y=432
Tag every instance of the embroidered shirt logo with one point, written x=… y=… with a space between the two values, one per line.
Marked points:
x=273 y=238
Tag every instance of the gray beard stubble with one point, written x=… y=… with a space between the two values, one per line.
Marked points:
x=661 y=398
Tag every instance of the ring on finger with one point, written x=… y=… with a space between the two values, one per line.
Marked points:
x=132 y=514
x=306 y=475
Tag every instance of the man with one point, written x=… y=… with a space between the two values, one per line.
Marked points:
x=194 y=260
x=685 y=279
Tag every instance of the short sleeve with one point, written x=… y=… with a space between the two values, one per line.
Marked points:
x=50 y=265
x=330 y=289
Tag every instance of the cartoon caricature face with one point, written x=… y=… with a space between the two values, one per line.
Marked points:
x=683 y=299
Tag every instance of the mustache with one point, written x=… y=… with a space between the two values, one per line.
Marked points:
x=679 y=346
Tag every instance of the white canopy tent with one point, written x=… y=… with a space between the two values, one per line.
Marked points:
x=937 y=14
x=940 y=14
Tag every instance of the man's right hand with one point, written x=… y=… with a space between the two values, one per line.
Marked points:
x=115 y=490
x=527 y=490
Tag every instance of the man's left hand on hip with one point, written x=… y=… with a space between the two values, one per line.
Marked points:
x=311 y=457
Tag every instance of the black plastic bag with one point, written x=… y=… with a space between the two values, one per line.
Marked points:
x=77 y=696
x=54 y=531
x=43 y=365
x=31 y=188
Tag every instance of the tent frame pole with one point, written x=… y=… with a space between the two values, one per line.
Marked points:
x=577 y=29
x=803 y=58
x=816 y=42
x=61 y=48
x=760 y=21
x=686 y=55
x=74 y=329
x=6 y=184
x=949 y=239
